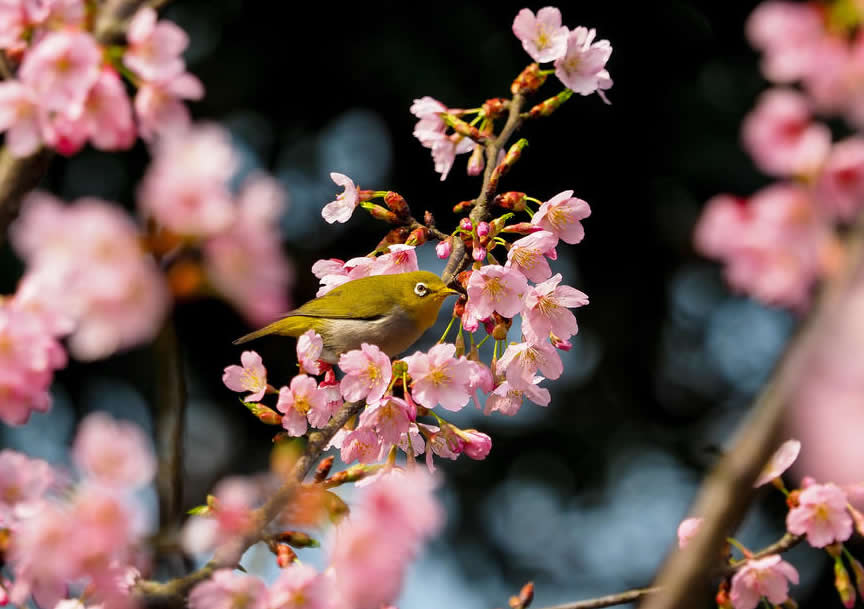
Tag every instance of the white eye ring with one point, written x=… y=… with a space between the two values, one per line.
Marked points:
x=421 y=290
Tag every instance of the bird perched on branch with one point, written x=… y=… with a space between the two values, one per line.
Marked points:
x=391 y=311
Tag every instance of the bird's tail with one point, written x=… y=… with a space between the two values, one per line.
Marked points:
x=293 y=325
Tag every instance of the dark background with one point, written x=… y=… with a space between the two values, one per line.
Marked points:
x=583 y=497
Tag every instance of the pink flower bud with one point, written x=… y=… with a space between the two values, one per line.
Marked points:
x=466 y=224
x=444 y=247
x=476 y=163
x=477 y=444
x=483 y=229
x=479 y=254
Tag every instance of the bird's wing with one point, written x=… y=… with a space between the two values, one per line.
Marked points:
x=374 y=304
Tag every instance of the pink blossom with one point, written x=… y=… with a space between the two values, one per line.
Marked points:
x=547 y=310
x=113 y=453
x=186 y=186
x=443 y=248
x=528 y=255
x=367 y=373
x=780 y=136
x=788 y=33
x=400 y=259
x=543 y=37
x=229 y=590
x=440 y=378
x=768 y=577
x=251 y=376
x=521 y=361
x=21 y=118
x=309 y=347
x=343 y=207
x=230 y=517
x=442 y=441
x=362 y=444
x=390 y=418
x=431 y=127
x=445 y=149
x=106 y=525
x=494 y=288
x=780 y=461
x=480 y=379
x=155 y=48
x=299 y=587
x=477 y=444
x=821 y=515
x=159 y=106
x=297 y=400
x=687 y=530
x=582 y=67
x=29 y=354
x=561 y=216
x=23 y=482
x=841 y=182
x=246 y=262
x=507 y=399
x=61 y=68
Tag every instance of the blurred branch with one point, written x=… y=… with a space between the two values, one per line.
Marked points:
x=172 y=594
x=787 y=542
x=18 y=176
x=170 y=419
x=728 y=491
x=459 y=257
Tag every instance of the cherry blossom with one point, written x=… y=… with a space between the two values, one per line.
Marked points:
x=251 y=376
x=343 y=207
x=297 y=400
x=439 y=378
x=561 y=216
x=768 y=577
x=159 y=106
x=445 y=150
x=582 y=67
x=841 y=182
x=309 y=347
x=507 y=399
x=494 y=288
x=367 y=373
x=299 y=587
x=390 y=418
x=443 y=248
x=23 y=482
x=113 y=453
x=431 y=127
x=226 y=589
x=547 y=310
x=155 y=47
x=520 y=362
x=477 y=444
x=362 y=444
x=21 y=118
x=780 y=461
x=821 y=515
x=790 y=34
x=543 y=37
x=528 y=255
x=229 y=518
x=687 y=530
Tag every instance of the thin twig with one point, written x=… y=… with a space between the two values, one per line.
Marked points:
x=172 y=594
x=785 y=543
x=728 y=491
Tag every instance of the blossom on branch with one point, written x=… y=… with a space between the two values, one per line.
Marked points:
x=367 y=373
x=547 y=310
x=251 y=376
x=561 y=215
x=343 y=207
x=582 y=67
x=229 y=590
x=821 y=515
x=113 y=453
x=768 y=577
x=439 y=377
x=543 y=37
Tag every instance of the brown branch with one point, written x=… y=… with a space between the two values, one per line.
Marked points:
x=728 y=491
x=18 y=176
x=459 y=258
x=785 y=543
x=172 y=594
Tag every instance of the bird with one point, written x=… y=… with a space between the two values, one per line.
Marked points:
x=390 y=311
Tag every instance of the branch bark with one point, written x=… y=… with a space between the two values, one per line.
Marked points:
x=728 y=491
x=172 y=594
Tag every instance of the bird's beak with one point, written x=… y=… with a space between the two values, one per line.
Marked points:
x=448 y=291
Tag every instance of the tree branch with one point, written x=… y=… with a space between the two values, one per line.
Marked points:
x=785 y=543
x=172 y=594
x=728 y=491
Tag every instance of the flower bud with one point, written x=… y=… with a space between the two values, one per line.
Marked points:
x=792 y=499
x=400 y=367
x=296 y=539
x=443 y=248
x=547 y=107
x=395 y=236
x=528 y=81
x=483 y=229
x=466 y=224
x=463 y=278
x=264 y=414
x=462 y=206
x=476 y=162
x=722 y=598
x=479 y=254
x=460 y=345
x=418 y=236
x=523 y=600
x=510 y=200
x=495 y=107
x=285 y=556
x=380 y=213
x=463 y=128
x=513 y=155
x=323 y=469
x=499 y=332
x=428 y=218
x=522 y=228
x=477 y=444
x=397 y=204
x=843 y=584
x=858 y=570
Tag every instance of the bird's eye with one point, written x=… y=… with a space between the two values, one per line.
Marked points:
x=421 y=290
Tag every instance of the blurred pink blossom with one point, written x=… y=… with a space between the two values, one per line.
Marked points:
x=21 y=118
x=231 y=517
x=159 y=106
x=155 y=47
x=113 y=453
x=226 y=589
x=768 y=577
x=789 y=34
x=543 y=37
x=299 y=587
x=688 y=529
x=780 y=461
x=23 y=482
x=841 y=182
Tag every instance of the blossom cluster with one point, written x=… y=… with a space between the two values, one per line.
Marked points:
x=821 y=513
x=68 y=86
x=367 y=554
x=87 y=533
x=779 y=241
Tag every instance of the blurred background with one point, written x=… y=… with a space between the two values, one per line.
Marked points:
x=583 y=497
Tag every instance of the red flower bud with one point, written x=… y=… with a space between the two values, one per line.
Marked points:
x=380 y=213
x=547 y=107
x=396 y=235
x=418 y=236
x=528 y=81
x=462 y=206
x=511 y=200
x=495 y=107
